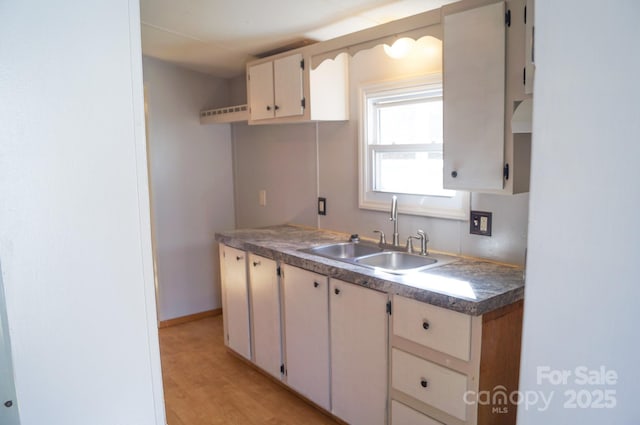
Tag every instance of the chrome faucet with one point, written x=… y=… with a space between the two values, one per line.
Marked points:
x=424 y=239
x=394 y=218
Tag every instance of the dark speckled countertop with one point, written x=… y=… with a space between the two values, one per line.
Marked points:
x=468 y=285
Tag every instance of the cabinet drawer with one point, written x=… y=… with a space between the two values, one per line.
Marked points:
x=434 y=327
x=404 y=415
x=440 y=387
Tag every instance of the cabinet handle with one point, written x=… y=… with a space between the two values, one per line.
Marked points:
x=316 y=284
x=425 y=325
x=336 y=291
x=454 y=174
x=256 y=263
x=424 y=383
x=238 y=258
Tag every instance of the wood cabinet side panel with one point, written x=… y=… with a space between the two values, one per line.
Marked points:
x=500 y=363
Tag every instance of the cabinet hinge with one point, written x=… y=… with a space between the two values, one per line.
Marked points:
x=505 y=171
x=302 y=64
x=389 y=307
x=283 y=371
x=279 y=271
x=303 y=102
x=507 y=18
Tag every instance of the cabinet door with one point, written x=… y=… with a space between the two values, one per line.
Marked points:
x=404 y=415
x=288 y=86
x=474 y=96
x=236 y=300
x=261 y=91
x=359 y=324
x=265 y=303
x=306 y=313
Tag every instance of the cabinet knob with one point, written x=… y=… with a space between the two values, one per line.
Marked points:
x=256 y=263
x=268 y=108
x=424 y=383
x=454 y=174
x=276 y=107
x=336 y=291
x=425 y=325
x=238 y=258
x=316 y=284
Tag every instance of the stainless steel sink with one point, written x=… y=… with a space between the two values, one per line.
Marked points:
x=344 y=250
x=378 y=259
x=396 y=262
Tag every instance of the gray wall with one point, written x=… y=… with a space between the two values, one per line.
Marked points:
x=583 y=275
x=191 y=185
x=334 y=147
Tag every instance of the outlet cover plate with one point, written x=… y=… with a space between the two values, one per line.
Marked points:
x=322 y=206
x=480 y=223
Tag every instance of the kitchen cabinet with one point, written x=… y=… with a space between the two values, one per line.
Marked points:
x=306 y=324
x=439 y=355
x=483 y=67
x=283 y=88
x=474 y=95
x=359 y=323
x=404 y=415
x=276 y=88
x=235 y=297
x=265 y=314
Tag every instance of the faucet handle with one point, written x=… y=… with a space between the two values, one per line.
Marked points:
x=383 y=239
x=410 y=244
x=424 y=239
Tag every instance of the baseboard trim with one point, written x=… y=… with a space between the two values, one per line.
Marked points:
x=189 y=318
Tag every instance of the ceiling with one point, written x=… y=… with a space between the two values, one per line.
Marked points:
x=218 y=37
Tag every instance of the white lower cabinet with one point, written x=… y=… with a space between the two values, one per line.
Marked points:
x=404 y=415
x=330 y=341
x=306 y=324
x=359 y=323
x=235 y=297
x=265 y=317
x=430 y=383
x=441 y=360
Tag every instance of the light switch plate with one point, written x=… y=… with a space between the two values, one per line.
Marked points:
x=480 y=223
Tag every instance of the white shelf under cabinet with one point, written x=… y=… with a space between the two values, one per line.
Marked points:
x=224 y=115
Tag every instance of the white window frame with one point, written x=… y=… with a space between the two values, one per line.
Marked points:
x=456 y=207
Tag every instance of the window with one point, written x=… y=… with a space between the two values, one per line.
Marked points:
x=401 y=144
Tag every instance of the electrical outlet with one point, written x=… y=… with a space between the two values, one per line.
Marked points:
x=322 y=206
x=480 y=223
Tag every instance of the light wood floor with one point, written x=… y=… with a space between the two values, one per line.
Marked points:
x=206 y=385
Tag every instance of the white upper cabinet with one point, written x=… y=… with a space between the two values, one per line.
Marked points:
x=260 y=86
x=485 y=52
x=474 y=98
x=275 y=88
x=284 y=89
x=287 y=77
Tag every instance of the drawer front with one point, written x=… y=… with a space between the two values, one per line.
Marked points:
x=438 y=386
x=434 y=327
x=404 y=415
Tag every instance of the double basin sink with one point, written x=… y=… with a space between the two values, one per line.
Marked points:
x=377 y=258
